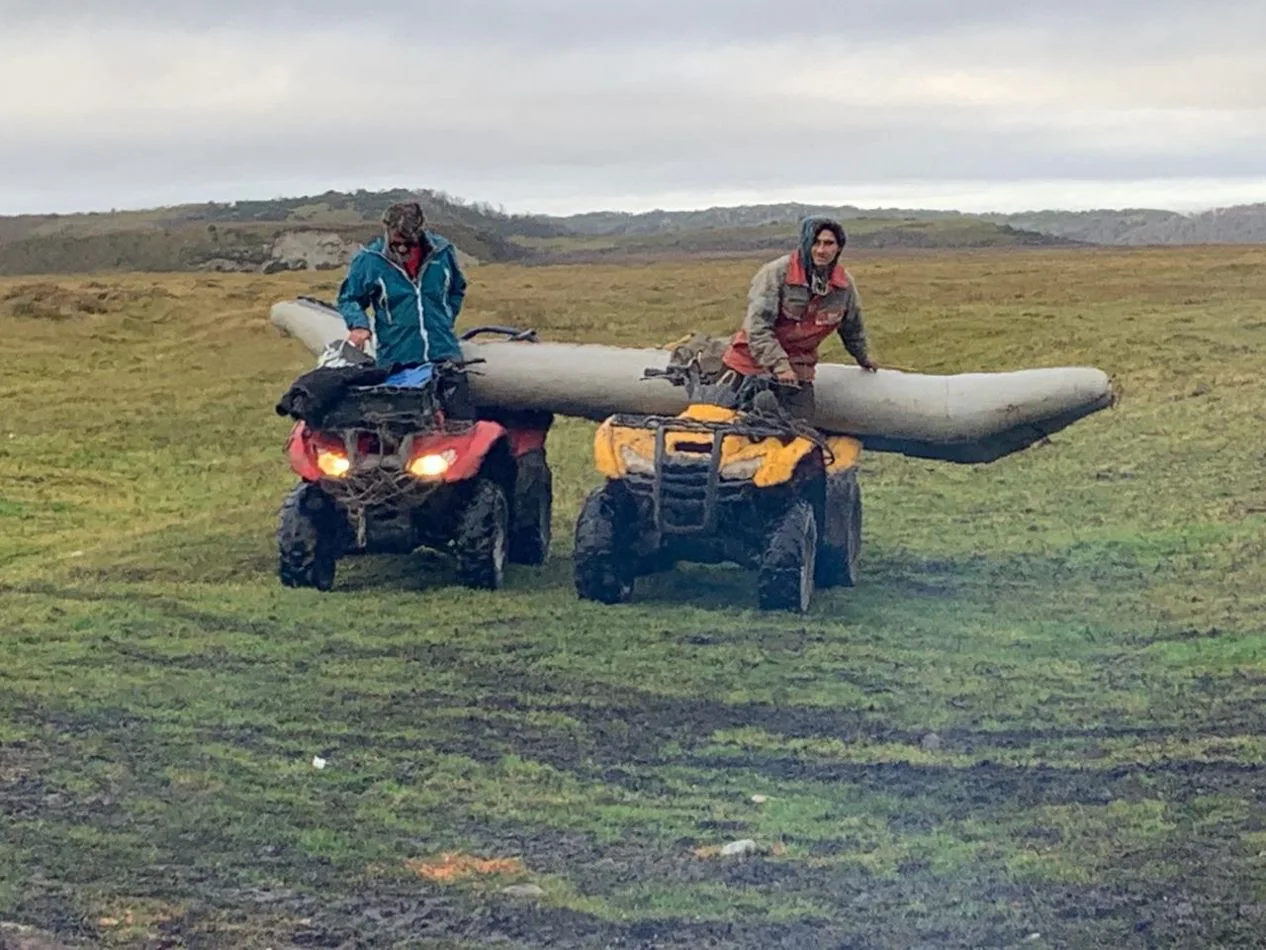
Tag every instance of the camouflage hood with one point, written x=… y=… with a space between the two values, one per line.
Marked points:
x=406 y=219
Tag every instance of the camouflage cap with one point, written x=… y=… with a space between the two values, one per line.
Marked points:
x=404 y=217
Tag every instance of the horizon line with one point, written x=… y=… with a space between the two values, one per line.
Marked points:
x=669 y=207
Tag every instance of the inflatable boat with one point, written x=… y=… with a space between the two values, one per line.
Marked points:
x=965 y=418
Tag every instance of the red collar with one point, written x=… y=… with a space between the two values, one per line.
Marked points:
x=413 y=263
x=796 y=273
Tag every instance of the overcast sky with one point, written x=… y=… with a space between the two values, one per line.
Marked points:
x=571 y=105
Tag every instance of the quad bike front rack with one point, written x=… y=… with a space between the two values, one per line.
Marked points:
x=685 y=492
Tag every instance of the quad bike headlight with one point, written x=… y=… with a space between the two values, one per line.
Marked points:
x=333 y=464
x=743 y=468
x=634 y=463
x=432 y=466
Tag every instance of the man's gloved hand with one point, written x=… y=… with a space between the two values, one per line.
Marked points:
x=358 y=338
x=785 y=374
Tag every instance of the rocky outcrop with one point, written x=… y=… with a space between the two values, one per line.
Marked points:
x=320 y=250
x=309 y=250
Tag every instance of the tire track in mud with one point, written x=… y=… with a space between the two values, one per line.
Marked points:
x=965 y=791
x=865 y=912
x=622 y=735
x=628 y=726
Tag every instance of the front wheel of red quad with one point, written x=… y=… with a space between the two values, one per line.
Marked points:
x=533 y=509
x=307 y=540
x=482 y=541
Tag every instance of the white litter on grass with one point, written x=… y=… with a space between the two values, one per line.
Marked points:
x=524 y=890
x=318 y=762
x=739 y=848
x=76 y=553
x=759 y=799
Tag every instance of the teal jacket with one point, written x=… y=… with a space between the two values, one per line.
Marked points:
x=413 y=322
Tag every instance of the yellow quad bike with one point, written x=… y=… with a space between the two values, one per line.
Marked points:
x=730 y=479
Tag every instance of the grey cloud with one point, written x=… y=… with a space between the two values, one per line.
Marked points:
x=567 y=23
x=507 y=106
x=614 y=154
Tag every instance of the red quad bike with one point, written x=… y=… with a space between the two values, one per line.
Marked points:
x=387 y=473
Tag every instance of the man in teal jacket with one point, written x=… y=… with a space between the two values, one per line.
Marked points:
x=411 y=279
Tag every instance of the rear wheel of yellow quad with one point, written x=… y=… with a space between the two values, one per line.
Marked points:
x=604 y=567
x=841 y=548
x=786 y=575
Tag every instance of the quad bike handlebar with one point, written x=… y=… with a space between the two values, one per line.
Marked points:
x=750 y=391
x=755 y=397
x=513 y=334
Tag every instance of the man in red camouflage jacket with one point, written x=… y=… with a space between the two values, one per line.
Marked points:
x=794 y=304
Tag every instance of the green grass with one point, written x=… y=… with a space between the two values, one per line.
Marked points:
x=1041 y=712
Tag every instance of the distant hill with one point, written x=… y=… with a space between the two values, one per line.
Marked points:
x=956 y=232
x=247 y=235
x=611 y=223
x=322 y=231
x=1242 y=224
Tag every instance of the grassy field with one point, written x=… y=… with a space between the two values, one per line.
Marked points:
x=1038 y=722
